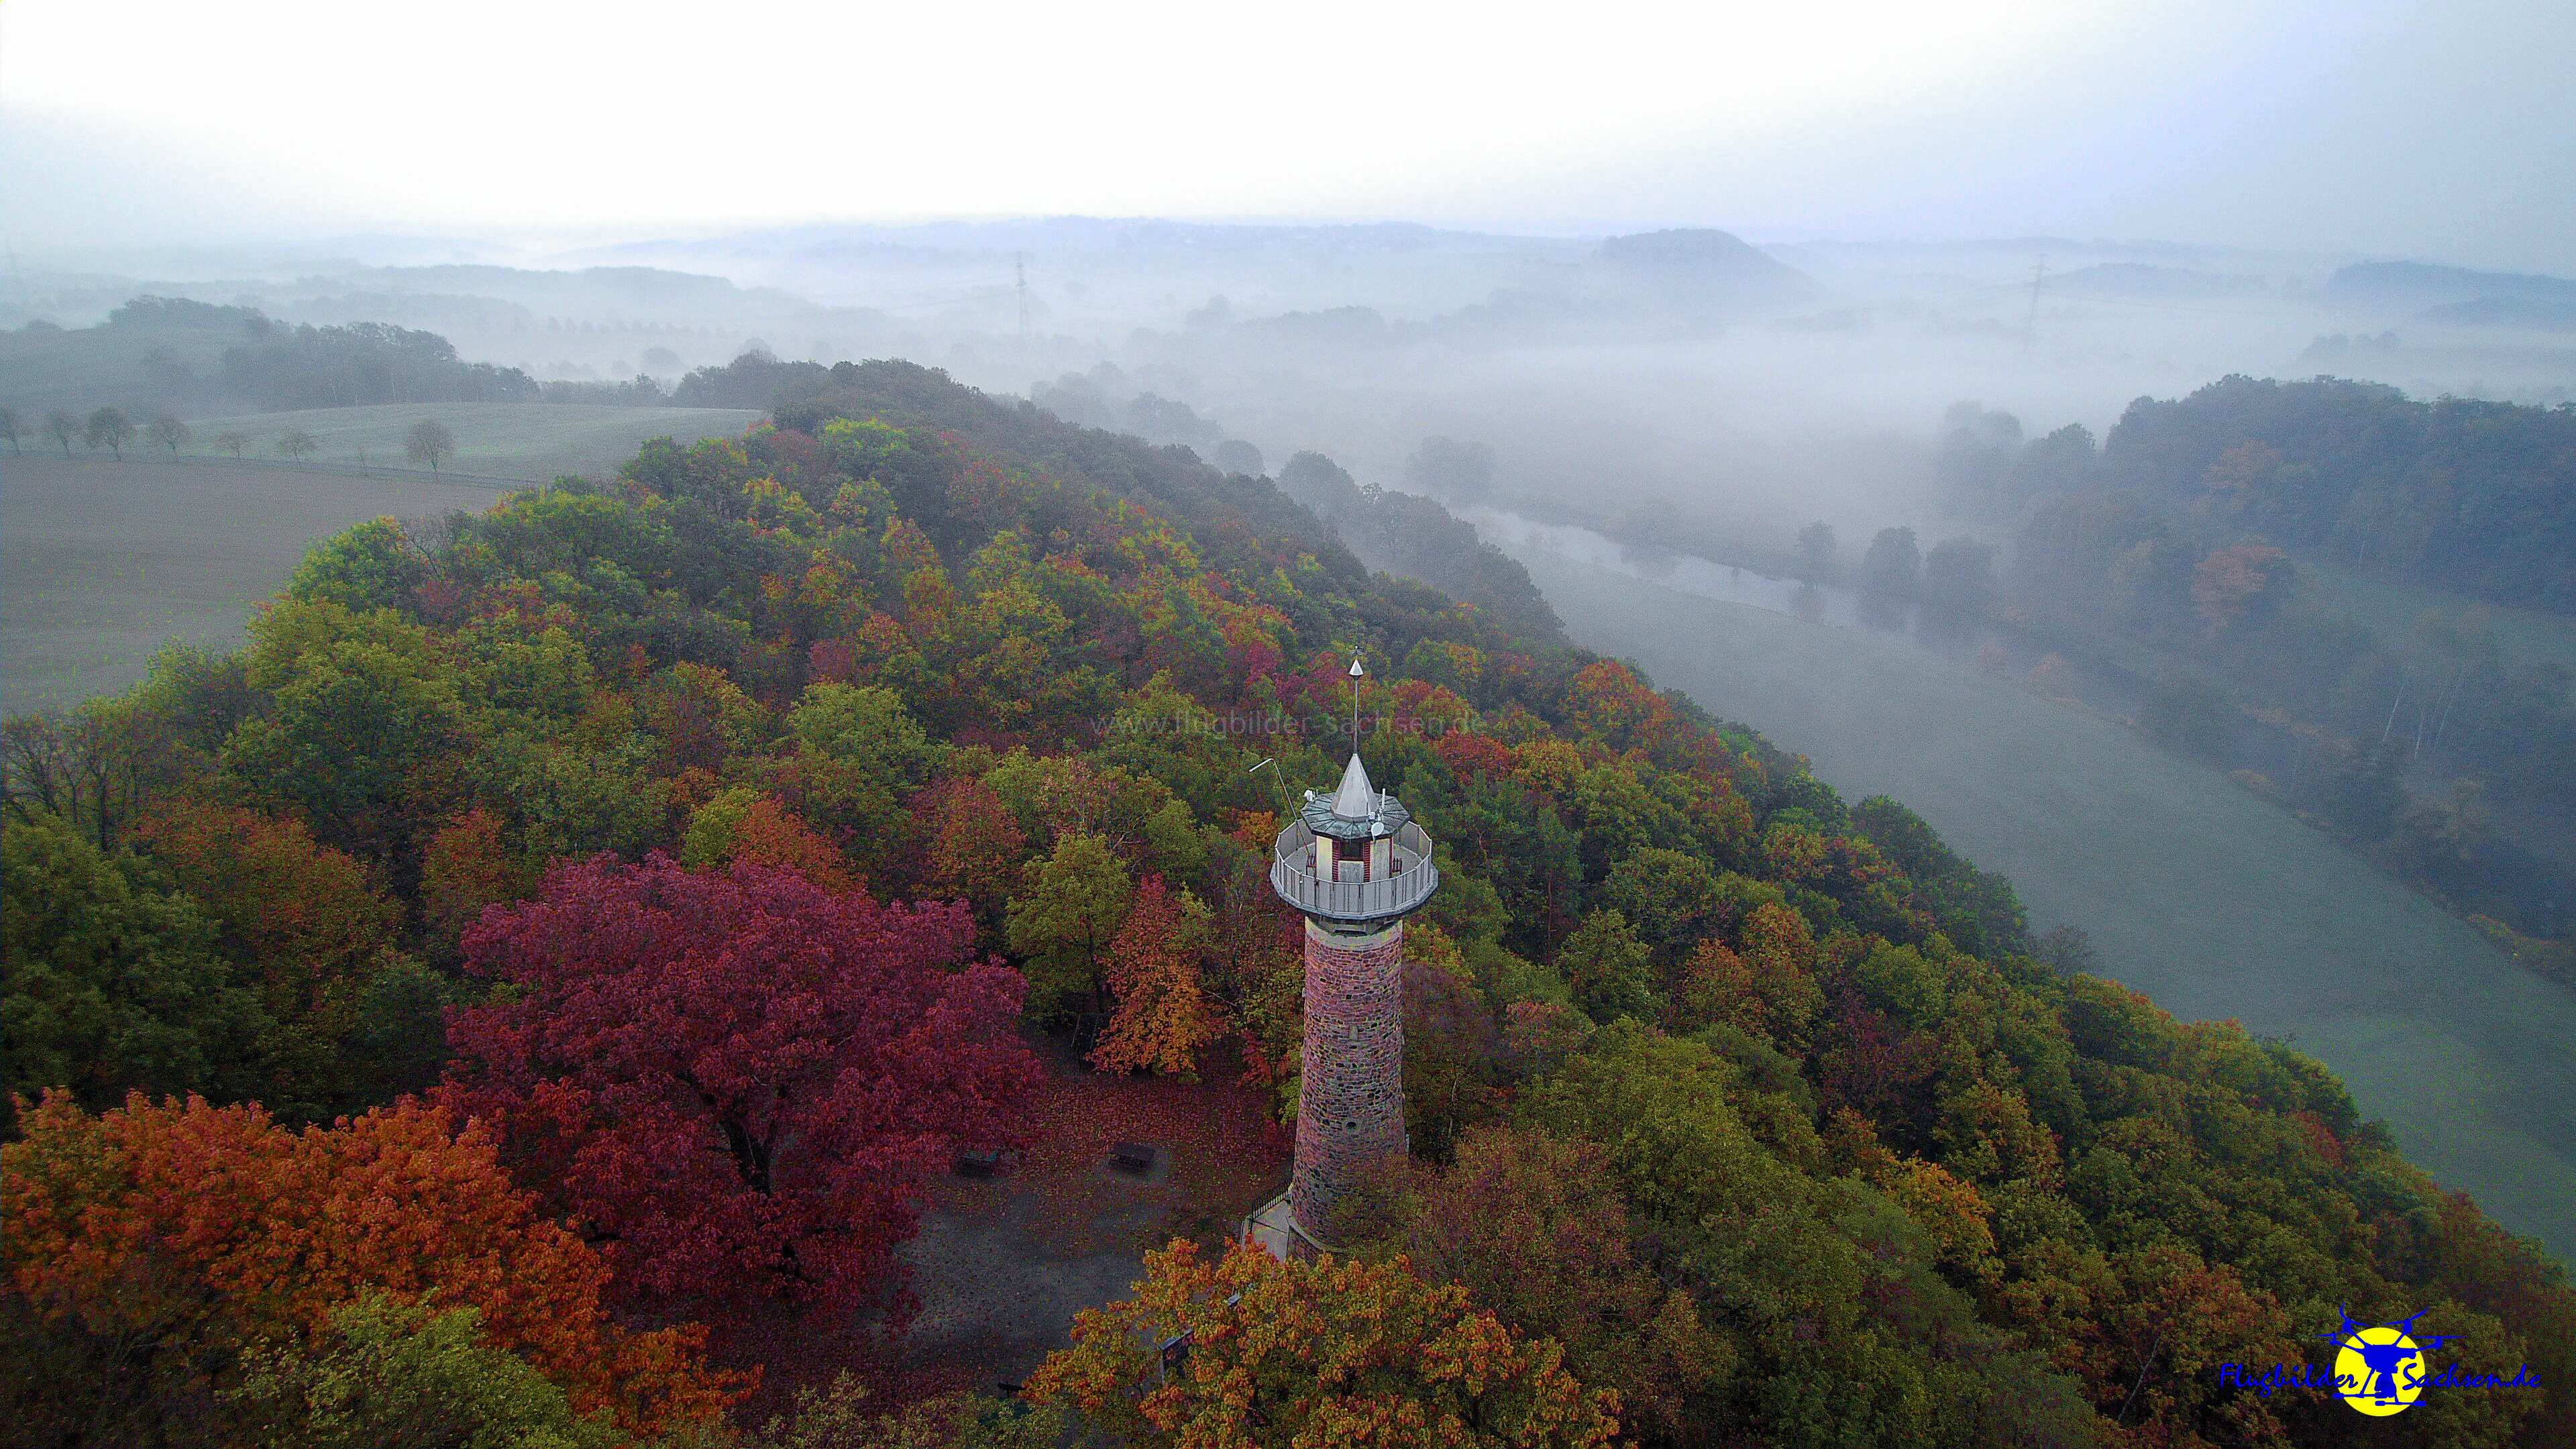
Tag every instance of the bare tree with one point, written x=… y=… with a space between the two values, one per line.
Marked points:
x=297 y=444
x=62 y=427
x=430 y=442
x=233 y=442
x=13 y=428
x=96 y=768
x=168 y=432
x=108 y=428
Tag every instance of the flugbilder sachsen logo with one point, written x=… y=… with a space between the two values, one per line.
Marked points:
x=2379 y=1368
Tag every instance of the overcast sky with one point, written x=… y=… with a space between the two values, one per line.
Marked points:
x=2444 y=131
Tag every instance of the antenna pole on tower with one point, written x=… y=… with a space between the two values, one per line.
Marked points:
x=1357 y=674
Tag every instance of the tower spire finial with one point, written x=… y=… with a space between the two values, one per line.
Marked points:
x=1357 y=674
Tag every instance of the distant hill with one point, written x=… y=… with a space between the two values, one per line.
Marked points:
x=2416 y=284
x=2138 y=279
x=1704 y=265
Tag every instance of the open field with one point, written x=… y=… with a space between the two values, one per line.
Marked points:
x=534 y=441
x=103 y=563
x=2210 y=900
x=2392 y=608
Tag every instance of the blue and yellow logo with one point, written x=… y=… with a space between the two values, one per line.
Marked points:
x=2379 y=1368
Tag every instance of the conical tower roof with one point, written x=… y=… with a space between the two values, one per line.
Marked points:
x=1357 y=799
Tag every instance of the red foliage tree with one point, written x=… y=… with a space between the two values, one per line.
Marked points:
x=161 y=1225
x=1470 y=755
x=740 y=1079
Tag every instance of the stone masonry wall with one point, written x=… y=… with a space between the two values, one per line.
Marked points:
x=1350 y=1112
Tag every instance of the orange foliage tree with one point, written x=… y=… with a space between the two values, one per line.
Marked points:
x=740 y=828
x=2233 y=582
x=975 y=845
x=468 y=866
x=770 y=834
x=1329 y=1352
x=306 y=913
x=163 y=1223
x=307 y=923
x=1163 y=1017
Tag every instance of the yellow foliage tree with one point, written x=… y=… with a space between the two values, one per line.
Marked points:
x=1324 y=1353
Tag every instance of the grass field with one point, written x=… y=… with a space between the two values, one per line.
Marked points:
x=533 y=441
x=2392 y=608
x=102 y=563
x=2208 y=899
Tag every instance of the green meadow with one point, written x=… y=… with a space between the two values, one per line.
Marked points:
x=532 y=441
x=2392 y=608
x=2194 y=891
x=102 y=563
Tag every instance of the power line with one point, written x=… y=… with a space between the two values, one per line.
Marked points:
x=2039 y=271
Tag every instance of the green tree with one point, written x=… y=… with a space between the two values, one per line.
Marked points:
x=361 y=702
x=1893 y=565
x=1534 y=1227
x=108 y=428
x=859 y=754
x=1610 y=970
x=114 y=981
x=62 y=427
x=165 y=431
x=1063 y=920
x=1670 y=898
x=429 y=443
x=232 y=441
x=297 y=444
x=1816 y=548
x=371 y=566
x=96 y=768
x=1820 y=1279
x=392 y=1376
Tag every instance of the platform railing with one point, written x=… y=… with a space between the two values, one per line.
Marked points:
x=1400 y=893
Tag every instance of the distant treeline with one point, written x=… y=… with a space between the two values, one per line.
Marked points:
x=282 y=368
x=752 y=380
x=2461 y=494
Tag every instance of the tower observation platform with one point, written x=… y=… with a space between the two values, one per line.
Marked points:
x=1354 y=860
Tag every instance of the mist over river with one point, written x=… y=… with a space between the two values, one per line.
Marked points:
x=2212 y=901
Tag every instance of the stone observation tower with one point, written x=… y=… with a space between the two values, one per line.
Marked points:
x=1354 y=865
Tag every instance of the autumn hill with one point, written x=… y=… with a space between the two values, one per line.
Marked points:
x=527 y=989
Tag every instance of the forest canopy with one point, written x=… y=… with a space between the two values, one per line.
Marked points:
x=1725 y=1088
